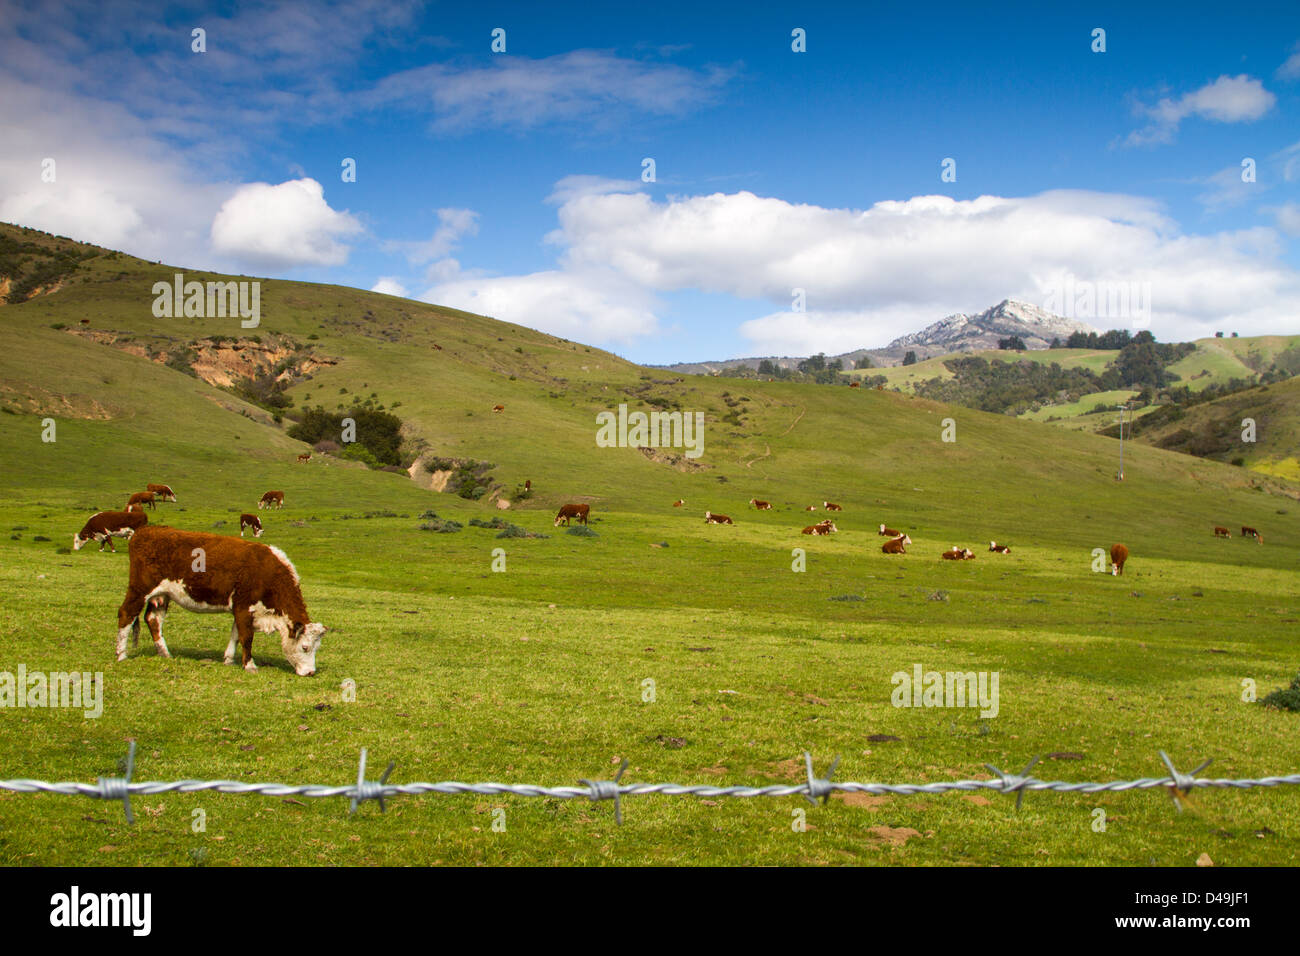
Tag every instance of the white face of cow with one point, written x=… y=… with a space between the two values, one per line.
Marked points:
x=300 y=648
x=78 y=541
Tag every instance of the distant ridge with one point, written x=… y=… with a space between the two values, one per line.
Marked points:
x=955 y=333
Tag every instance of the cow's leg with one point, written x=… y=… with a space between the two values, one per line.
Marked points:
x=244 y=628
x=132 y=604
x=154 y=617
x=230 y=648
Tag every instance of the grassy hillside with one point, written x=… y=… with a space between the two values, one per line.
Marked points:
x=536 y=674
x=1215 y=429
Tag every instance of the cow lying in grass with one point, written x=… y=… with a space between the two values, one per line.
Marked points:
x=210 y=573
x=896 y=545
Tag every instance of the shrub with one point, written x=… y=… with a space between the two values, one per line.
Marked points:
x=359 y=452
x=514 y=531
x=1288 y=699
x=442 y=526
x=582 y=531
x=326 y=447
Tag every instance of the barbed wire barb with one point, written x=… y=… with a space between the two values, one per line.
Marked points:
x=119 y=788
x=819 y=786
x=609 y=790
x=1016 y=783
x=1182 y=781
x=367 y=790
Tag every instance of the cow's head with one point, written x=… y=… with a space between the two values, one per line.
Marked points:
x=300 y=646
x=78 y=541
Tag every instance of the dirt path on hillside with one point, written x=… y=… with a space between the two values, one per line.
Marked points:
x=795 y=422
x=767 y=453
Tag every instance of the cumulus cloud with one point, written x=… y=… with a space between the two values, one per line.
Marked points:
x=585 y=306
x=1229 y=99
x=90 y=215
x=389 y=285
x=870 y=275
x=286 y=225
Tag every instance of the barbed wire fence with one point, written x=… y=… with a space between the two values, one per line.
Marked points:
x=122 y=788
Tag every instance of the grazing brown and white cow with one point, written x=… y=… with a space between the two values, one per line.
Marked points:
x=161 y=492
x=711 y=518
x=953 y=554
x=678 y=503
x=498 y=408
x=275 y=498
x=528 y=485
x=811 y=508
x=1251 y=533
x=304 y=457
x=1118 y=555
x=142 y=498
x=107 y=525
x=573 y=511
x=889 y=532
x=831 y=506
x=999 y=548
x=855 y=384
x=761 y=505
x=250 y=521
x=895 y=546
x=254 y=582
x=135 y=509
x=1221 y=532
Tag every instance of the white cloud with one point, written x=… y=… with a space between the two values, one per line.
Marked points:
x=574 y=187
x=1229 y=99
x=453 y=224
x=1290 y=70
x=586 y=86
x=389 y=285
x=81 y=212
x=286 y=225
x=870 y=275
x=1288 y=218
x=585 y=306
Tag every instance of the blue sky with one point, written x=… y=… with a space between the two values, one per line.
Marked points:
x=511 y=183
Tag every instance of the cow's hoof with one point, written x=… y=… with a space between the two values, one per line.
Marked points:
x=251 y=667
x=121 y=657
x=228 y=660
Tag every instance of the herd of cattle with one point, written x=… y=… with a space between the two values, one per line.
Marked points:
x=897 y=540
x=259 y=586
x=207 y=573
x=897 y=543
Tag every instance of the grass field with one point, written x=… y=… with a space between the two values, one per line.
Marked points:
x=536 y=674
